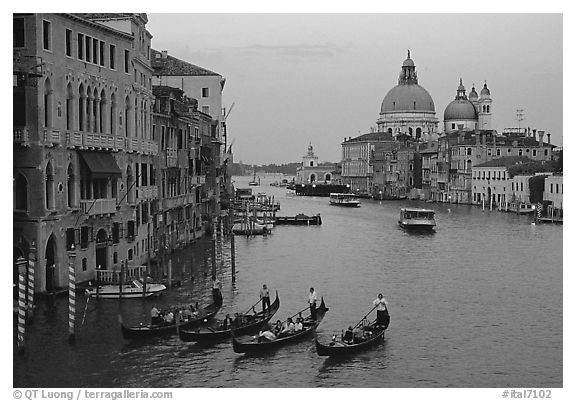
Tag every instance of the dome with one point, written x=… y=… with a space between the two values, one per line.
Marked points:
x=473 y=94
x=408 y=63
x=460 y=109
x=485 y=91
x=402 y=98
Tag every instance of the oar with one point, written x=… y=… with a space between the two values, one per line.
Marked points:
x=249 y=309
x=296 y=313
x=365 y=316
x=85 y=309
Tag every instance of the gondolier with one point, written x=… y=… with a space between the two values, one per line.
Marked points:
x=312 y=299
x=382 y=316
x=216 y=293
x=265 y=297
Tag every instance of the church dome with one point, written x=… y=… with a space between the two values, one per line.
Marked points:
x=460 y=109
x=408 y=63
x=407 y=97
x=485 y=91
x=473 y=94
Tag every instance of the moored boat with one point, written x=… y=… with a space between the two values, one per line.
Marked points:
x=216 y=332
x=417 y=219
x=134 y=289
x=152 y=330
x=346 y=200
x=299 y=220
x=250 y=345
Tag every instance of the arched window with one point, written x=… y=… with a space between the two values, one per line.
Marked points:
x=410 y=131
x=129 y=185
x=468 y=165
x=20 y=193
x=488 y=109
x=69 y=107
x=88 y=111
x=81 y=108
x=418 y=132
x=468 y=151
x=103 y=112
x=127 y=117
x=389 y=130
x=95 y=111
x=327 y=177
x=71 y=187
x=49 y=190
x=112 y=114
x=47 y=103
x=135 y=118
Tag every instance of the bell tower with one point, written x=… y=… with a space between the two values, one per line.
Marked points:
x=485 y=109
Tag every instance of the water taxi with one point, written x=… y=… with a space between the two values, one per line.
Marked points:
x=417 y=219
x=347 y=200
x=134 y=289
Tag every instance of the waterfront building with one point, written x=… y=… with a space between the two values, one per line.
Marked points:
x=357 y=167
x=553 y=195
x=408 y=108
x=429 y=157
x=82 y=142
x=311 y=171
x=206 y=87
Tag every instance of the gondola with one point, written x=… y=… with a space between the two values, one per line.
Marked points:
x=252 y=347
x=214 y=332
x=341 y=348
x=152 y=330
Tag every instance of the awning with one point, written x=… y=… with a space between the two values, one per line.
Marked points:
x=101 y=165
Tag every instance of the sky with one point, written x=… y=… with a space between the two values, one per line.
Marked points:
x=301 y=78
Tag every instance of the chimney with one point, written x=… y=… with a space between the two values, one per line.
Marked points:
x=164 y=54
x=494 y=140
x=534 y=133
x=514 y=143
x=541 y=137
x=548 y=135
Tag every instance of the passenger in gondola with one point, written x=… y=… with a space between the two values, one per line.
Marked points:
x=169 y=318
x=155 y=316
x=288 y=328
x=348 y=336
x=266 y=336
x=187 y=314
x=298 y=326
x=227 y=322
x=277 y=328
x=358 y=335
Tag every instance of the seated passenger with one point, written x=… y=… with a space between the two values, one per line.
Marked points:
x=169 y=318
x=288 y=328
x=298 y=326
x=348 y=337
x=277 y=328
x=227 y=322
x=266 y=336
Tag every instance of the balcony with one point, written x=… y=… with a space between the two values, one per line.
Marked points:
x=95 y=207
x=147 y=192
x=51 y=137
x=177 y=201
x=21 y=136
x=171 y=158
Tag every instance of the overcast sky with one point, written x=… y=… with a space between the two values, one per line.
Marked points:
x=300 y=78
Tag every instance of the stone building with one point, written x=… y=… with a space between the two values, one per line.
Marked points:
x=311 y=171
x=408 y=108
x=83 y=148
x=206 y=87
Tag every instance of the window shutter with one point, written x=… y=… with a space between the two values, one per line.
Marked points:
x=77 y=236
x=90 y=234
x=121 y=230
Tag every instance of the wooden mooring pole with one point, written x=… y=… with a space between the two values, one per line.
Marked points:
x=233 y=257
x=213 y=249
x=71 y=294
x=21 y=263
x=31 y=267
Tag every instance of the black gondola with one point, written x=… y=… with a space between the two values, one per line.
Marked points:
x=152 y=330
x=215 y=332
x=342 y=348
x=257 y=347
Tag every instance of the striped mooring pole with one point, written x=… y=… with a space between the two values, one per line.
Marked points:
x=31 y=267
x=21 y=263
x=71 y=294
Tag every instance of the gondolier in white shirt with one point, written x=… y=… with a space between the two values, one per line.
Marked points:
x=265 y=297
x=382 y=316
x=312 y=299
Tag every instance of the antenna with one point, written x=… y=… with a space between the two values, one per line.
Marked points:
x=519 y=117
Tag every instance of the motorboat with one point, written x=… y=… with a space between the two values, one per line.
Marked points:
x=417 y=219
x=134 y=289
x=346 y=200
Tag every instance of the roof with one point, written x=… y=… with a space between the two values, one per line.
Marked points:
x=506 y=161
x=407 y=97
x=171 y=66
x=372 y=136
x=461 y=109
x=162 y=90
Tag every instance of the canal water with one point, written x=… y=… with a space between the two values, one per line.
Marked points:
x=476 y=304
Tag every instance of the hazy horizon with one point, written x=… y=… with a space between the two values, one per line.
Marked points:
x=300 y=78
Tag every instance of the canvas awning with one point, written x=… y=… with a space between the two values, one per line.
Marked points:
x=101 y=165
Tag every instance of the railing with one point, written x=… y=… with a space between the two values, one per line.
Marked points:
x=148 y=192
x=51 y=137
x=21 y=135
x=113 y=276
x=93 y=207
x=177 y=201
